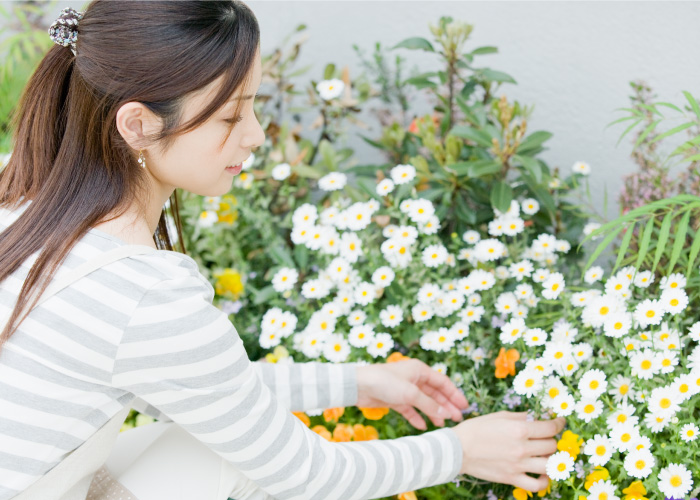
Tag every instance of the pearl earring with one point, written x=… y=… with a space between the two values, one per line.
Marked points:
x=142 y=159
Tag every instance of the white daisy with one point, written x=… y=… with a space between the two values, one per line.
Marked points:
x=582 y=352
x=482 y=280
x=329 y=216
x=694 y=331
x=675 y=481
x=602 y=489
x=401 y=174
x=333 y=181
x=592 y=384
x=540 y=275
x=506 y=303
x=471 y=237
x=664 y=402
x=553 y=286
x=350 y=247
x=589 y=409
x=285 y=279
x=600 y=449
x=674 y=300
x=581 y=167
x=530 y=206
x=560 y=465
x=593 y=275
x=471 y=314
x=359 y=216
x=535 y=337
x=434 y=255
x=365 y=293
x=336 y=349
x=427 y=293
x=361 y=335
x=689 y=432
x=673 y=282
x=391 y=316
x=422 y=312
x=431 y=226
x=489 y=250
x=623 y=414
x=383 y=276
x=563 y=405
x=528 y=383
x=421 y=210
x=248 y=162
x=460 y=330
x=512 y=331
x=523 y=291
x=624 y=436
x=656 y=423
x=380 y=346
x=563 y=331
x=643 y=279
x=385 y=187
x=521 y=270
x=330 y=89
x=649 y=312
x=617 y=325
x=644 y=364
x=281 y=171
x=207 y=218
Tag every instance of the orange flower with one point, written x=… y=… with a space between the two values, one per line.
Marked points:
x=303 y=417
x=333 y=414
x=342 y=433
x=396 y=356
x=408 y=495
x=521 y=494
x=505 y=362
x=322 y=431
x=364 y=432
x=374 y=413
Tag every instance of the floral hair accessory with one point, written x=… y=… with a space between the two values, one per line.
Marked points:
x=64 y=30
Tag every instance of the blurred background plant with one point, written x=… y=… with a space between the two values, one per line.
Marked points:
x=23 y=42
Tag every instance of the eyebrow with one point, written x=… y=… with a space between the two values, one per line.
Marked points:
x=245 y=97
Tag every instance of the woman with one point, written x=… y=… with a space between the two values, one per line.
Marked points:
x=141 y=98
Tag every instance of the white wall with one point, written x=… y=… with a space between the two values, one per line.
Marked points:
x=573 y=60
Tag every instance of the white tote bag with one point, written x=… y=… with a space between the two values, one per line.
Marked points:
x=159 y=461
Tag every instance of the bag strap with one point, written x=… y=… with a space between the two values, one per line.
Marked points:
x=70 y=478
x=91 y=265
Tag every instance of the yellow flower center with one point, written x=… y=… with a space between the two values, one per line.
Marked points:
x=589 y=409
x=676 y=481
x=646 y=364
x=600 y=451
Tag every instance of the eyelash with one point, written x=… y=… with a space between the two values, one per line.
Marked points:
x=239 y=117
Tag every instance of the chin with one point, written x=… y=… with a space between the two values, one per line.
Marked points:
x=218 y=190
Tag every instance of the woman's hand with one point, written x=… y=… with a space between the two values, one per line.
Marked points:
x=502 y=447
x=410 y=383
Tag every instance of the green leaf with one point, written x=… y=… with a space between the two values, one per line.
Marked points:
x=328 y=154
x=474 y=134
x=476 y=168
x=662 y=239
x=484 y=50
x=674 y=130
x=306 y=171
x=636 y=122
x=301 y=254
x=501 y=196
x=494 y=76
x=693 y=103
x=533 y=141
x=420 y=82
x=694 y=250
x=264 y=295
x=693 y=158
x=668 y=105
x=281 y=256
x=602 y=246
x=624 y=245
x=415 y=43
x=368 y=185
x=679 y=240
x=621 y=120
x=646 y=132
x=644 y=244
x=329 y=71
x=532 y=165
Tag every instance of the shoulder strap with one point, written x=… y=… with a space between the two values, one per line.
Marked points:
x=92 y=265
x=70 y=479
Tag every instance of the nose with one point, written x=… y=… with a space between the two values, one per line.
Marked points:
x=255 y=137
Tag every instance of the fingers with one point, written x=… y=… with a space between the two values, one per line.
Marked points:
x=540 y=447
x=446 y=388
x=534 y=465
x=451 y=410
x=531 y=483
x=545 y=428
x=413 y=417
x=426 y=404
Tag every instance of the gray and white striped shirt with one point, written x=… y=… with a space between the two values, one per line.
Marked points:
x=143 y=331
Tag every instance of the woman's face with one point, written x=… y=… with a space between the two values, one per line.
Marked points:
x=200 y=160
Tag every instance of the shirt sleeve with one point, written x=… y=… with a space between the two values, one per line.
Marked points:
x=182 y=355
x=310 y=385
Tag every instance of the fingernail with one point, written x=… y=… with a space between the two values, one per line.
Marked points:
x=441 y=411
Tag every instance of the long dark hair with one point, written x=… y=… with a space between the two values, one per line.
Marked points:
x=69 y=158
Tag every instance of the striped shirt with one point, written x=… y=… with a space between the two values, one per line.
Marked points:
x=143 y=332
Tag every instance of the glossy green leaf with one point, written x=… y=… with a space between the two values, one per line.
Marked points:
x=501 y=196
x=494 y=76
x=329 y=71
x=673 y=131
x=533 y=141
x=532 y=166
x=484 y=50
x=306 y=171
x=264 y=295
x=477 y=168
x=668 y=105
x=474 y=134
x=415 y=43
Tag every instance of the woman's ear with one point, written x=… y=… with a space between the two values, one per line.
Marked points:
x=135 y=122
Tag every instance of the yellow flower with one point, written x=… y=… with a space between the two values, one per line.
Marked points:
x=303 y=417
x=229 y=282
x=635 y=491
x=280 y=352
x=521 y=494
x=374 y=413
x=227 y=214
x=597 y=474
x=545 y=491
x=333 y=414
x=408 y=495
x=570 y=443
